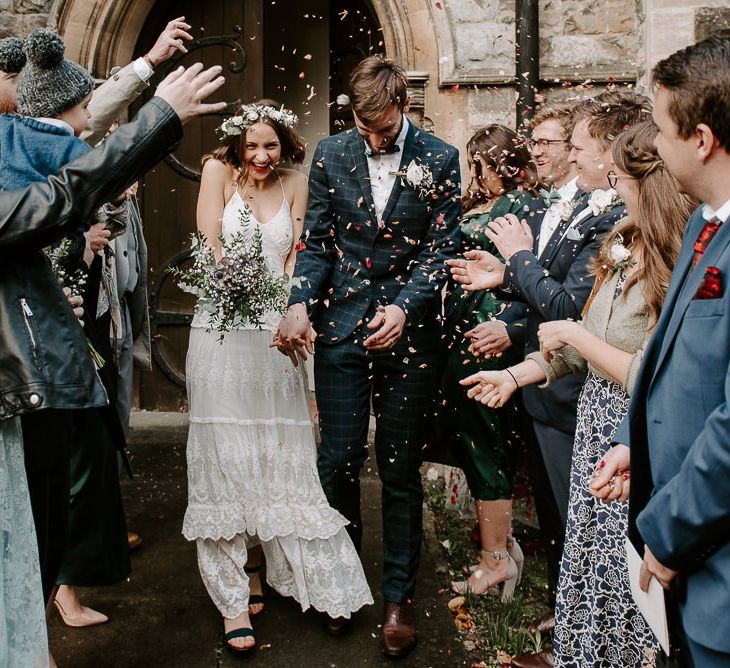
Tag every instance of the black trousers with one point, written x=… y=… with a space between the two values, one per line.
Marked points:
x=47 y=436
x=549 y=455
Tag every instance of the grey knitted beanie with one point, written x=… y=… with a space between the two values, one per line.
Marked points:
x=50 y=84
x=12 y=58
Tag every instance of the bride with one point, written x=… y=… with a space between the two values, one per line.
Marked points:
x=252 y=476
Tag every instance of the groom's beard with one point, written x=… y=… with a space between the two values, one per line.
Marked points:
x=382 y=147
x=391 y=141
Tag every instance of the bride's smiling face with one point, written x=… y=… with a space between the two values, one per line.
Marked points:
x=261 y=150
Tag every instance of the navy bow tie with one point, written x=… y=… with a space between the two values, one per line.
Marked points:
x=550 y=197
x=369 y=152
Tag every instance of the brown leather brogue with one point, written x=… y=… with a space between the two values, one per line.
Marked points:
x=399 y=629
x=539 y=660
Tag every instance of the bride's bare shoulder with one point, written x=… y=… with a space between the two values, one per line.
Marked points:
x=217 y=170
x=293 y=176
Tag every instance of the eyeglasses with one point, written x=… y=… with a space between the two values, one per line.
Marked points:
x=614 y=178
x=544 y=144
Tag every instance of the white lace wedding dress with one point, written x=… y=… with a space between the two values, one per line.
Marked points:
x=251 y=455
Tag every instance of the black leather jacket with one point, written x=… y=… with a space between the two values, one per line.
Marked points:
x=44 y=357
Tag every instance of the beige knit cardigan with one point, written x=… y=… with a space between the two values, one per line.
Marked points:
x=621 y=321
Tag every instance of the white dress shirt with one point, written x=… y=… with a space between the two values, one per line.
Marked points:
x=722 y=214
x=552 y=218
x=142 y=69
x=382 y=168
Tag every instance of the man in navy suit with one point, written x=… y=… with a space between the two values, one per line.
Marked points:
x=381 y=222
x=678 y=426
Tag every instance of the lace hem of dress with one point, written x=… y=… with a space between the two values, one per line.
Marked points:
x=213 y=521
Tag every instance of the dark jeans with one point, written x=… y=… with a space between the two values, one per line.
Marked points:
x=47 y=438
x=346 y=377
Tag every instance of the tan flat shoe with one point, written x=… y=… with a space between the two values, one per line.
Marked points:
x=87 y=617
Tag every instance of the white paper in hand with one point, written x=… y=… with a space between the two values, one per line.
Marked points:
x=650 y=603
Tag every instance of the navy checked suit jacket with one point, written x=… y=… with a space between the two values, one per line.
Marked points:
x=556 y=286
x=350 y=264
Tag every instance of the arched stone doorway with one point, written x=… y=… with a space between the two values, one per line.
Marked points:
x=100 y=34
x=283 y=51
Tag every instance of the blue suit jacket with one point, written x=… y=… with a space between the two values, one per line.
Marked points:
x=350 y=264
x=678 y=428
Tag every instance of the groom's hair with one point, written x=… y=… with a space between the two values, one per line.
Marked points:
x=608 y=114
x=698 y=82
x=376 y=84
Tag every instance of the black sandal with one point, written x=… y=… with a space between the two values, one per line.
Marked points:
x=255 y=599
x=239 y=633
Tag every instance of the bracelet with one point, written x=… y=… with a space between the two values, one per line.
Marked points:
x=148 y=60
x=513 y=378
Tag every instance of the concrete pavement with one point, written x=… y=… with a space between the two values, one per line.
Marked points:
x=163 y=617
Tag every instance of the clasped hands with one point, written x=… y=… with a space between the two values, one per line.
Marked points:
x=481 y=270
x=295 y=335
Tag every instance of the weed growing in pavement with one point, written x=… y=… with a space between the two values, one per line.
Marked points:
x=499 y=630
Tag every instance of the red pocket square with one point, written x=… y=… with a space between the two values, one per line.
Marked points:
x=711 y=286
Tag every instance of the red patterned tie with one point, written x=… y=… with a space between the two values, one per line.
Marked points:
x=703 y=240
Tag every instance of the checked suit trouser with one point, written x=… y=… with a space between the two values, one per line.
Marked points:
x=402 y=391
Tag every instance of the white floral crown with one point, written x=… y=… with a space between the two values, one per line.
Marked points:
x=253 y=113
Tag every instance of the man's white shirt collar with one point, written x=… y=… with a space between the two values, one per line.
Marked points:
x=568 y=190
x=722 y=214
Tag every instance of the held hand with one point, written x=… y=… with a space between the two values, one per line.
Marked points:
x=555 y=335
x=169 y=41
x=297 y=347
x=97 y=236
x=295 y=334
x=650 y=567
x=479 y=270
x=612 y=479
x=390 y=322
x=491 y=388
x=185 y=89
x=510 y=235
x=489 y=338
x=76 y=303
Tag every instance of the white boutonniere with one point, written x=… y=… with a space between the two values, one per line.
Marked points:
x=418 y=176
x=601 y=201
x=620 y=255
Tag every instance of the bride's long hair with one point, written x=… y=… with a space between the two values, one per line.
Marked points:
x=654 y=232
x=231 y=147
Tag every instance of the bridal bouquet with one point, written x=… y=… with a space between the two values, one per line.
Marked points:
x=239 y=287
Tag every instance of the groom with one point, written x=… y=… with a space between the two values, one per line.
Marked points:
x=381 y=222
